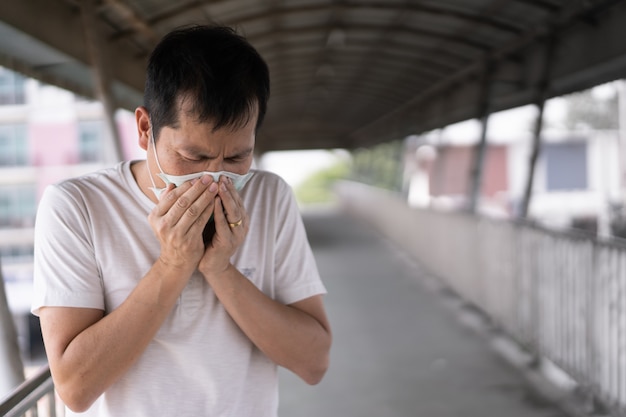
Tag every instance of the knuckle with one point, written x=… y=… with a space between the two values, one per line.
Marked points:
x=182 y=202
x=193 y=211
x=172 y=195
x=161 y=226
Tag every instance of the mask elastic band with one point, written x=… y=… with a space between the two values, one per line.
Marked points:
x=155 y=157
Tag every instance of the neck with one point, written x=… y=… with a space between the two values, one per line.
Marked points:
x=141 y=173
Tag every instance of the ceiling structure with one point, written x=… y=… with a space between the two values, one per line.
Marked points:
x=344 y=73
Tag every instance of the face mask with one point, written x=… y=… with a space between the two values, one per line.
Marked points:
x=238 y=180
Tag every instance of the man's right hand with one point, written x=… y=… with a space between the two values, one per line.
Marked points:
x=179 y=219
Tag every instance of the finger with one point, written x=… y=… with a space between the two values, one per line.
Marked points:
x=193 y=209
x=221 y=224
x=233 y=206
x=169 y=197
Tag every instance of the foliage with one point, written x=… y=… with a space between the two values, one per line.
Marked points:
x=380 y=166
x=584 y=109
x=318 y=187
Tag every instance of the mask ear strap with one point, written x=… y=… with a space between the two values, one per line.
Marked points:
x=156 y=157
x=154 y=187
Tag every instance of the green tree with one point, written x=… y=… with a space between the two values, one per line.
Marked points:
x=586 y=109
x=317 y=188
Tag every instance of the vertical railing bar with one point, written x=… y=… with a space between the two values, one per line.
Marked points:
x=620 y=270
x=611 y=323
x=559 y=293
x=52 y=405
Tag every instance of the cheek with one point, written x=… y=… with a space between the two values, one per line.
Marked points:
x=246 y=166
x=239 y=167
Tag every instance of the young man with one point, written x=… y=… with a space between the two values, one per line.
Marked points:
x=174 y=286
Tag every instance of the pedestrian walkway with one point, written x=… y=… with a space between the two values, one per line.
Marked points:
x=398 y=351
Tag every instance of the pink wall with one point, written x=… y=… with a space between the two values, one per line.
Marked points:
x=53 y=143
x=450 y=173
x=495 y=175
x=128 y=135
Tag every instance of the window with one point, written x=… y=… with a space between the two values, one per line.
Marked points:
x=11 y=87
x=566 y=166
x=18 y=206
x=13 y=145
x=16 y=254
x=90 y=141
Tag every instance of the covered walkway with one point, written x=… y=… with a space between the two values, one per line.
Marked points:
x=400 y=346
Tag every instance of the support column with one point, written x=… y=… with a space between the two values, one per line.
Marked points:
x=540 y=100
x=11 y=367
x=101 y=75
x=479 y=153
x=621 y=100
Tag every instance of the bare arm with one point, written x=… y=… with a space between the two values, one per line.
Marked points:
x=89 y=351
x=295 y=336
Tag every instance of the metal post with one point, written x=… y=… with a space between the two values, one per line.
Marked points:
x=479 y=153
x=11 y=367
x=102 y=81
x=621 y=101
x=542 y=94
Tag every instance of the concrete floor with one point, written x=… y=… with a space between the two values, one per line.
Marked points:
x=398 y=350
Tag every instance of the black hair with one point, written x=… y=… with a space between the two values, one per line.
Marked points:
x=218 y=70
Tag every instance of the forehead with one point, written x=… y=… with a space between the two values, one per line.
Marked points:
x=202 y=137
x=189 y=113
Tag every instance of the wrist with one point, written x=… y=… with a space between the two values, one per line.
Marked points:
x=174 y=268
x=215 y=272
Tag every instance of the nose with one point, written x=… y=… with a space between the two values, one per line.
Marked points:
x=216 y=165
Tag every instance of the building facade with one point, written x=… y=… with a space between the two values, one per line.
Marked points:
x=46 y=135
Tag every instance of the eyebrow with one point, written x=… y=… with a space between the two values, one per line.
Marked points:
x=240 y=154
x=201 y=154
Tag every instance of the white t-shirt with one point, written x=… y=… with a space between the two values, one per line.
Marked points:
x=93 y=244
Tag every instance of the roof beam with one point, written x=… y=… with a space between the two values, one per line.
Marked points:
x=599 y=56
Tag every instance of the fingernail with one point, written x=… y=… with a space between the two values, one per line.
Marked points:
x=205 y=179
x=193 y=181
x=213 y=187
x=223 y=186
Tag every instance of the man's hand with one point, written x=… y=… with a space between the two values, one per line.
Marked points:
x=231 y=227
x=179 y=219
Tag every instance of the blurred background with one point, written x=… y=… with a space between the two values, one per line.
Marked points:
x=486 y=138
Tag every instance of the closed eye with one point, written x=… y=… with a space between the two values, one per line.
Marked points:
x=235 y=159
x=240 y=157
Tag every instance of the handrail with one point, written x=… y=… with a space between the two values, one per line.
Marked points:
x=27 y=394
x=558 y=294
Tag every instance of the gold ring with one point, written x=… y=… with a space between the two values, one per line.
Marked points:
x=233 y=225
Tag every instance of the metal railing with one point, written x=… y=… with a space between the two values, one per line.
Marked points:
x=35 y=397
x=561 y=295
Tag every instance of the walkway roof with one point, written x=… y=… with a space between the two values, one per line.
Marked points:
x=345 y=73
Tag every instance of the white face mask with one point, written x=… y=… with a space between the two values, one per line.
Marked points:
x=238 y=180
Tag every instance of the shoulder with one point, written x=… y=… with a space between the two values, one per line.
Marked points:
x=267 y=179
x=97 y=179
x=82 y=192
x=265 y=185
x=81 y=186
x=268 y=193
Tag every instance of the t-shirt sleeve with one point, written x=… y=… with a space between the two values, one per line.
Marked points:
x=295 y=268
x=65 y=269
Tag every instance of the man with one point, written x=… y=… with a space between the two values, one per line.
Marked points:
x=141 y=315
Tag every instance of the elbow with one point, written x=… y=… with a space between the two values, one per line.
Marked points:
x=75 y=398
x=314 y=377
x=314 y=373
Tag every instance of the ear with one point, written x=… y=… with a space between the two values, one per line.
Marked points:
x=142 y=117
